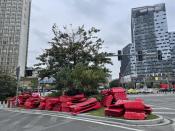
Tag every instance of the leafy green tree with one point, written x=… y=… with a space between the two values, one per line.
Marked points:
x=64 y=79
x=115 y=83
x=8 y=86
x=88 y=77
x=70 y=48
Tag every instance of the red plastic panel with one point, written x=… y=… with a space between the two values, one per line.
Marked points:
x=114 y=112
x=107 y=100
x=134 y=105
x=134 y=116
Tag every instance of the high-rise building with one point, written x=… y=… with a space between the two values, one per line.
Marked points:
x=128 y=61
x=127 y=69
x=150 y=35
x=172 y=39
x=172 y=45
x=14 y=34
x=149 y=31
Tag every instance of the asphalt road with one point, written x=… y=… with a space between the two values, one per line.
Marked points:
x=31 y=121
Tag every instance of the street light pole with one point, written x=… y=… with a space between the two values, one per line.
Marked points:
x=18 y=80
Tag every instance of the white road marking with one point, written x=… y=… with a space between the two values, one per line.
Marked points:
x=161 y=107
x=171 y=113
x=81 y=119
x=30 y=124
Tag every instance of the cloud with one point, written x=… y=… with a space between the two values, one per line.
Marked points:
x=111 y=16
x=96 y=10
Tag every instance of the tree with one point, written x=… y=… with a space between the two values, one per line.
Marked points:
x=115 y=83
x=8 y=86
x=70 y=48
x=88 y=77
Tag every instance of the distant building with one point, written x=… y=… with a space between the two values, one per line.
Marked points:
x=172 y=39
x=149 y=31
x=128 y=64
x=172 y=45
x=31 y=72
x=14 y=34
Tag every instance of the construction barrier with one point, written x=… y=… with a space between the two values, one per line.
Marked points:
x=112 y=95
x=115 y=99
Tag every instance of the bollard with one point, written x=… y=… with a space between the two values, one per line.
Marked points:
x=0 y=104
x=5 y=104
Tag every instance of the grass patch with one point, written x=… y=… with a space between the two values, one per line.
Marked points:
x=100 y=112
x=151 y=117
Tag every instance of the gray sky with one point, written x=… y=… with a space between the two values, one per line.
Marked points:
x=112 y=17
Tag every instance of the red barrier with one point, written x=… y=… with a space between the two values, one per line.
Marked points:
x=42 y=105
x=118 y=90
x=107 y=100
x=32 y=103
x=51 y=103
x=85 y=106
x=118 y=112
x=164 y=86
x=130 y=109
x=134 y=105
x=134 y=116
x=148 y=109
x=115 y=93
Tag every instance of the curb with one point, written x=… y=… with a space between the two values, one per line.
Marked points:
x=154 y=122
x=159 y=120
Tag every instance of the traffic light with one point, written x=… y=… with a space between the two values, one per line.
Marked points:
x=159 y=55
x=119 y=55
x=18 y=71
x=140 y=56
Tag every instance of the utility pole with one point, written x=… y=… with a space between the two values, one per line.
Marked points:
x=18 y=80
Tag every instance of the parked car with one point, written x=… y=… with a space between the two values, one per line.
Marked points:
x=146 y=90
x=133 y=91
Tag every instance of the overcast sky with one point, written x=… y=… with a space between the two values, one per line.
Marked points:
x=112 y=17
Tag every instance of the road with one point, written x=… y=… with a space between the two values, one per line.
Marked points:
x=31 y=121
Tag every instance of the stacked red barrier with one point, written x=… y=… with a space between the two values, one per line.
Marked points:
x=42 y=105
x=129 y=109
x=22 y=99
x=51 y=103
x=164 y=86
x=18 y=100
x=85 y=106
x=112 y=95
x=32 y=102
x=63 y=103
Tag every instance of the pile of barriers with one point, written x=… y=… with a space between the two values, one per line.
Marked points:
x=74 y=104
x=115 y=100
x=164 y=88
x=117 y=105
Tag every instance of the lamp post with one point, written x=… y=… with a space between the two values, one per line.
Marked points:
x=18 y=80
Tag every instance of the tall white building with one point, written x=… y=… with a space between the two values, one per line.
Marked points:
x=14 y=34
